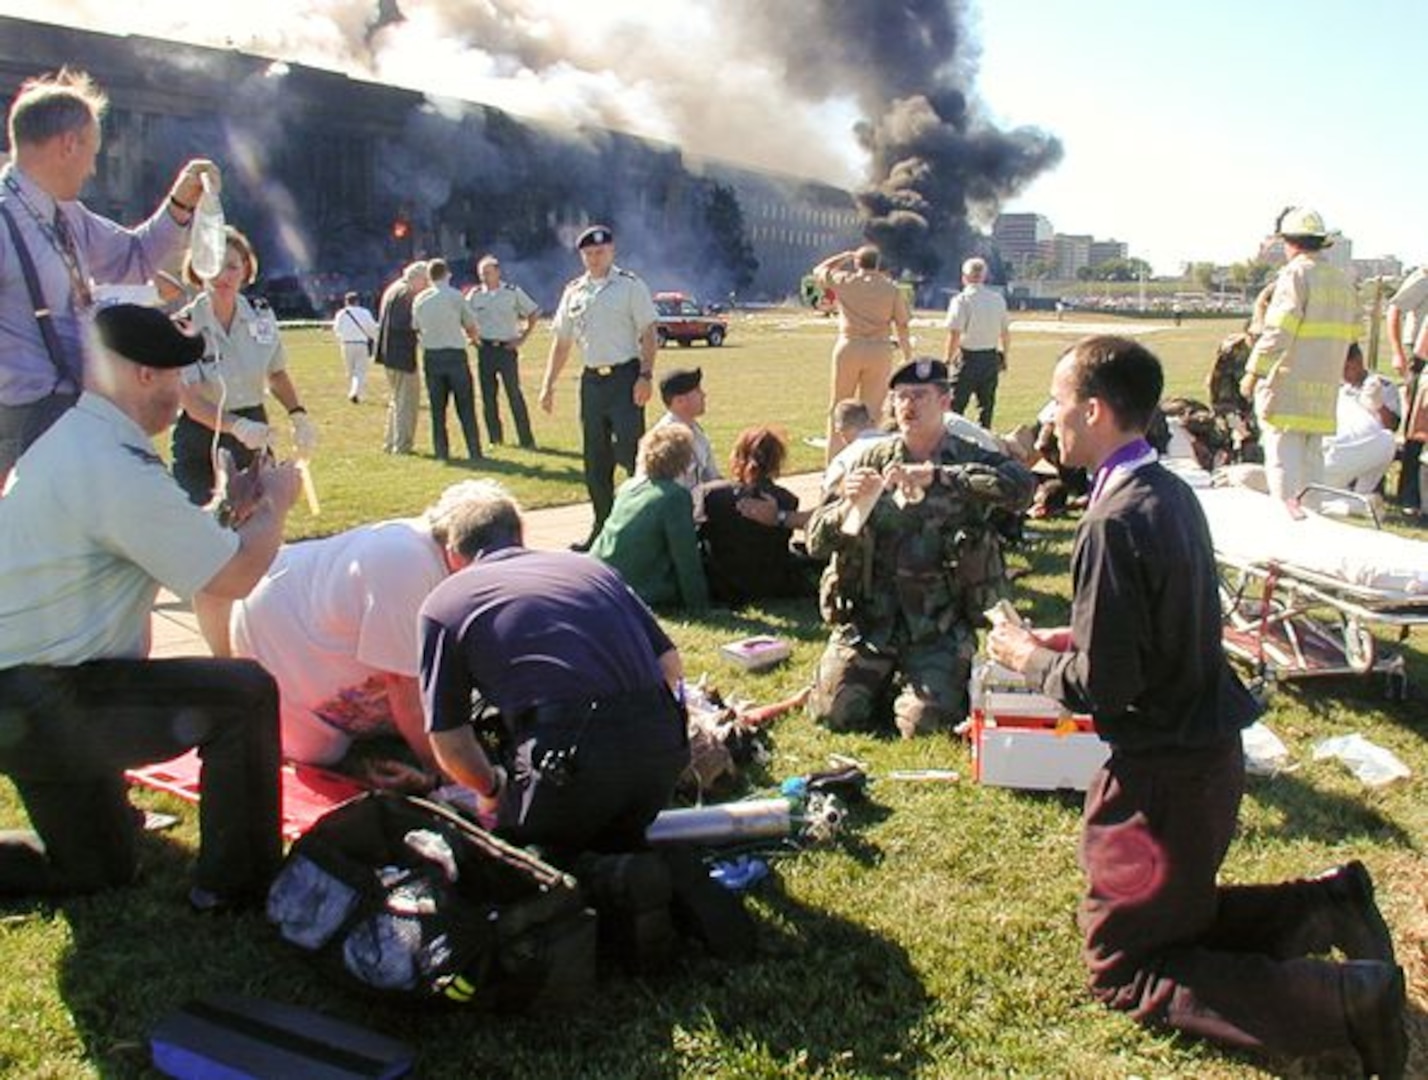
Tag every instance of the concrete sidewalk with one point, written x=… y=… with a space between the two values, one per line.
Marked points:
x=555 y=528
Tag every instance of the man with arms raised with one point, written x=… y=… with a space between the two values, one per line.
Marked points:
x=1143 y=655
x=53 y=249
x=90 y=527
x=870 y=307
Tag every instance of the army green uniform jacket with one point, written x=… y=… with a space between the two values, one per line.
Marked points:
x=918 y=570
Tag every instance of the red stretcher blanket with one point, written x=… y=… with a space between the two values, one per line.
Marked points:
x=307 y=791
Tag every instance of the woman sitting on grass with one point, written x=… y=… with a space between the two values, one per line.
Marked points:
x=746 y=523
x=649 y=537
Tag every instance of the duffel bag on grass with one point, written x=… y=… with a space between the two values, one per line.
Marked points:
x=402 y=897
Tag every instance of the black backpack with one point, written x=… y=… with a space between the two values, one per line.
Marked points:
x=405 y=899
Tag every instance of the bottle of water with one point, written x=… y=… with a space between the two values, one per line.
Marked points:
x=207 y=244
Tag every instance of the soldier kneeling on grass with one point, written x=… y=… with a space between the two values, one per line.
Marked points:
x=914 y=560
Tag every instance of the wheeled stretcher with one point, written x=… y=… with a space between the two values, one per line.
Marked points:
x=1303 y=598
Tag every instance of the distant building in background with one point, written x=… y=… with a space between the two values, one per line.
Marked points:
x=791 y=224
x=1340 y=254
x=1104 y=251
x=340 y=182
x=1071 y=253
x=1387 y=266
x=1023 y=238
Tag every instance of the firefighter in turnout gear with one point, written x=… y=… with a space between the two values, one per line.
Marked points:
x=1294 y=372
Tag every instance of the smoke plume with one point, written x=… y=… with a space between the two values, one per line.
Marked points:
x=778 y=86
x=934 y=158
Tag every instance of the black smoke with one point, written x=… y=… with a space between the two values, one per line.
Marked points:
x=934 y=157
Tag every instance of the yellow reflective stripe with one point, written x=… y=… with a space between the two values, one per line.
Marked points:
x=1327 y=331
x=458 y=989
x=1262 y=363
x=1288 y=322
x=1293 y=422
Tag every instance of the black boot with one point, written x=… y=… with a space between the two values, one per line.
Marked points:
x=630 y=893
x=1356 y=925
x=1374 y=1001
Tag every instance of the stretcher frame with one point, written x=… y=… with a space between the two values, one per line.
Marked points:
x=1287 y=622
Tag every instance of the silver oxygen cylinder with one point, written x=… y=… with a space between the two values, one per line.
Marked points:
x=724 y=823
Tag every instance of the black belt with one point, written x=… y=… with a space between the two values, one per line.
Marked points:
x=600 y=709
x=499 y=342
x=604 y=371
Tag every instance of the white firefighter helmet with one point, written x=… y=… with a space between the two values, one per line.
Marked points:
x=1301 y=221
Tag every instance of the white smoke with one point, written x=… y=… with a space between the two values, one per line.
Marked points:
x=682 y=73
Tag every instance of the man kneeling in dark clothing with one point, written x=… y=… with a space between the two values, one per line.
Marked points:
x=583 y=678
x=1143 y=655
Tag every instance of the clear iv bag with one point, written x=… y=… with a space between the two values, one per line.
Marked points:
x=207 y=243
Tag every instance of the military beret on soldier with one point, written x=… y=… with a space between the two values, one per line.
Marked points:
x=146 y=336
x=679 y=382
x=596 y=234
x=924 y=371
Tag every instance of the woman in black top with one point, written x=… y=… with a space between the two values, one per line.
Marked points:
x=746 y=523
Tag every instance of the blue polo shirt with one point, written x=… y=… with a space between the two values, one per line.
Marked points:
x=524 y=628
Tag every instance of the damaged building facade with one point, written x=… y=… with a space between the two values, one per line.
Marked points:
x=339 y=181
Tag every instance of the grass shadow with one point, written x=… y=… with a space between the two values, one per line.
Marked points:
x=136 y=954
x=1308 y=812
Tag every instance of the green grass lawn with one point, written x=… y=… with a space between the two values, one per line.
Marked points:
x=936 y=940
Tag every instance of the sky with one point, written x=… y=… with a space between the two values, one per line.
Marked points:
x=1186 y=127
x=1189 y=126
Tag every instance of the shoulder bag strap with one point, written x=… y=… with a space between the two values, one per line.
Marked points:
x=37 y=299
x=348 y=312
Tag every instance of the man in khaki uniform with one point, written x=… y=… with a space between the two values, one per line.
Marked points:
x=869 y=302
x=1294 y=372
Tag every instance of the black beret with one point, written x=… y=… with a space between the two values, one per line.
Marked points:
x=924 y=371
x=678 y=382
x=596 y=234
x=146 y=336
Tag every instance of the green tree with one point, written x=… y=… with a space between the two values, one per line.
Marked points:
x=731 y=252
x=1202 y=274
x=1250 y=276
x=1122 y=270
x=1038 y=269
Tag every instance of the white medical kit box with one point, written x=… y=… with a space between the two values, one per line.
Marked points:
x=1028 y=741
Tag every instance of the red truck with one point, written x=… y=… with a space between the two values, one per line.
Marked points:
x=682 y=319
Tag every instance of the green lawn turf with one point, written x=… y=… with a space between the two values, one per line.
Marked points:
x=936 y=940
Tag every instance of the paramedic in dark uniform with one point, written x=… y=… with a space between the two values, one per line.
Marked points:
x=610 y=313
x=506 y=315
x=91 y=526
x=583 y=677
x=1143 y=655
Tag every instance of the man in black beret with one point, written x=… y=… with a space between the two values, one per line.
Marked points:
x=682 y=392
x=91 y=525
x=914 y=561
x=611 y=313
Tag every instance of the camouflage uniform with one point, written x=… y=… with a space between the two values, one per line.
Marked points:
x=1236 y=431
x=905 y=594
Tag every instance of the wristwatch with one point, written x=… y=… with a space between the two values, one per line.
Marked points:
x=782 y=519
